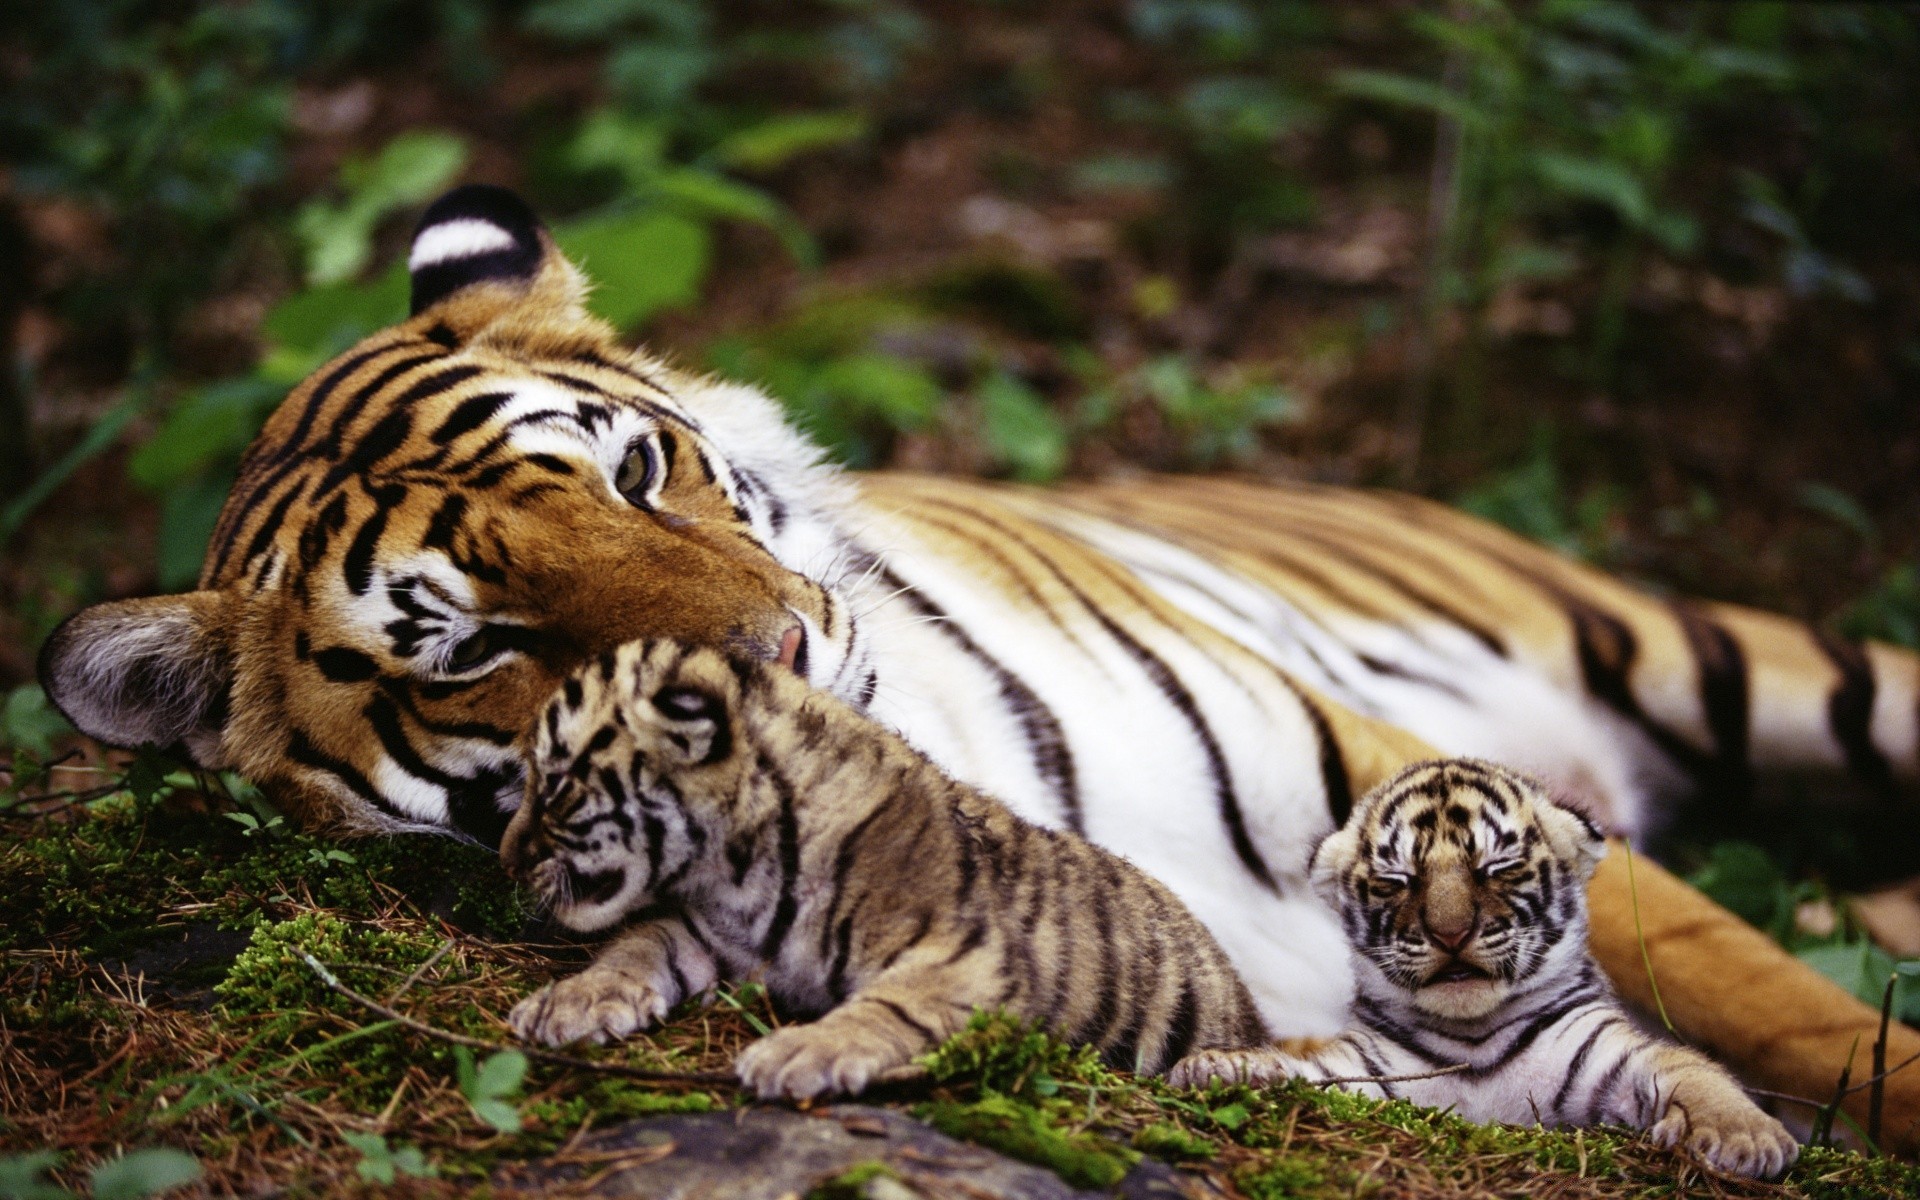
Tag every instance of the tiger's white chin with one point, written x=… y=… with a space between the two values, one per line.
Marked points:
x=1461 y=999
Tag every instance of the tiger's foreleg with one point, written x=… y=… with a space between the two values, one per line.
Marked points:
x=904 y=1011
x=631 y=984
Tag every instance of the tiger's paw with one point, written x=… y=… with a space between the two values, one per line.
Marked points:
x=594 y=1006
x=1229 y=1066
x=1728 y=1133
x=801 y=1062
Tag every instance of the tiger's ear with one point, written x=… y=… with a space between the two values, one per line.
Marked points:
x=150 y=672
x=480 y=255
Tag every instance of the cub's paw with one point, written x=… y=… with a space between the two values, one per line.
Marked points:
x=1728 y=1133
x=594 y=1006
x=1229 y=1066
x=801 y=1062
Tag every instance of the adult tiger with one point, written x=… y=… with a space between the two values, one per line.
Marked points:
x=1199 y=673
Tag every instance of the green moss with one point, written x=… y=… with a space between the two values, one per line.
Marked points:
x=108 y=883
x=1283 y=1178
x=95 y=886
x=1163 y=1140
x=610 y=1100
x=851 y=1184
x=1028 y=1133
x=999 y=1053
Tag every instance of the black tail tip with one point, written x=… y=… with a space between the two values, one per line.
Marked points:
x=473 y=234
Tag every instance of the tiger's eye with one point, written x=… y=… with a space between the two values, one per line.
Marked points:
x=636 y=472
x=474 y=650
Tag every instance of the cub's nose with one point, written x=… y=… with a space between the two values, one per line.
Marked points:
x=1450 y=937
x=522 y=850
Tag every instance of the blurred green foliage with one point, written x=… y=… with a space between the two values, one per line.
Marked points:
x=1572 y=143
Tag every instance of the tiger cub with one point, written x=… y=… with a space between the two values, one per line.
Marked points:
x=1462 y=888
x=767 y=827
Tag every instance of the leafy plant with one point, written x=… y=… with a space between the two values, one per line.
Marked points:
x=137 y=1174
x=383 y=1164
x=489 y=1087
x=411 y=169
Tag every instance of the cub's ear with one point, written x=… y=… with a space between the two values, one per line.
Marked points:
x=480 y=255
x=695 y=722
x=151 y=672
x=1332 y=856
x=1572 y=835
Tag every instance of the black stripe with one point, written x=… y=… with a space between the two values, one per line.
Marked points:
x=304 y=752
x=1186 y=1020
x=1850 y=714
x=1574 y=1064
x=1046 y=740
x=263 y=536
x=900 y=1014
x=357 y=566
x=789 y=828
x=1335 y=781
x=1226 y=799
x=469 y=415
x=1724 y=697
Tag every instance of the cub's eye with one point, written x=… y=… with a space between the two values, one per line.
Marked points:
x=636 y=472
x=1506 y=868
x=475 y=650
x=1387 y=885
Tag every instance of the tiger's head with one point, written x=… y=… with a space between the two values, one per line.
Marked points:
x=642 y=769
x=1459 y=884
x=439 y=525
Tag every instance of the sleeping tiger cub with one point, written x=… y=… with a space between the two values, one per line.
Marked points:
x=1462 y=889
x=779 y=830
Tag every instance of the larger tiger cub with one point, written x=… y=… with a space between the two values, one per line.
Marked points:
x=1462 y=887
x=776 y=830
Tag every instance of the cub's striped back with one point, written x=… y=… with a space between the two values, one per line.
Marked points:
x=792 y=837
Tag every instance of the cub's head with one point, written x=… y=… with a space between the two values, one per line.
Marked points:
x=639 y=769
x=439 y=525
x=1459 y=882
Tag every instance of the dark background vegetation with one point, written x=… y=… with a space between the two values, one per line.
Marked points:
x=1639 y=280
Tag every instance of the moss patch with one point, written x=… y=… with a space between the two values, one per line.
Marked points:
x=271 y=1079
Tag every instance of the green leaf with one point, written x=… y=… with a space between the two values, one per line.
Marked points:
x=501 y=1074
x=487 y=1087
x=610 y=140
x=1021 y=430
x=97 y=441
x=376 y=1163
x=147 y=775
x=502 y=1116
x=1831 y=502
x=659 y=76
x=1745 y=879
x=1598 y=180
x=324 y=320
x=643 y=262
x=409 y=169
x=213 y=423
x=21 y=1177
x=1230 y=1116
x=1407 y=91
x=779 y=140
x=144 y=1173
x=188 y=516
x=29 y=721
x=712 y=197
